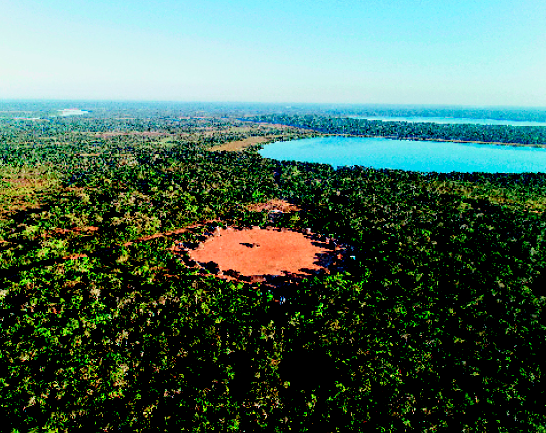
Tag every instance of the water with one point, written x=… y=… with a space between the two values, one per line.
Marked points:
x=72 y=112
x=452 y=120
x=423 y=156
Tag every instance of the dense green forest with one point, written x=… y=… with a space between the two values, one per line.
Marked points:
x=531 y=135
x=436 y=321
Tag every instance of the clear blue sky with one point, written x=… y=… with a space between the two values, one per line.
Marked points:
x=465 y=52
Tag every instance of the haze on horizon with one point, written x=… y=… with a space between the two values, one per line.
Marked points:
x=487 y=53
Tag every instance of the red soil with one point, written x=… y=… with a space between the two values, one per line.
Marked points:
x=273 y=205
x=262 y=252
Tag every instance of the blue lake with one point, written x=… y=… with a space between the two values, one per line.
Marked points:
x=423 y=156
x=452 y=120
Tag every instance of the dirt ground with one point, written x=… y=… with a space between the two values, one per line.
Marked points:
x=240 y=144
x=269 y=251
x=273 y=205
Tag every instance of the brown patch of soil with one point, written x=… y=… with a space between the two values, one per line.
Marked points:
x=86 y=229
x=75 y=256
x=76 y=230
x=167 y=234
x=241 y=144
x=273 y=205
x=252 y=252
x=22 y=193
x=24 y=182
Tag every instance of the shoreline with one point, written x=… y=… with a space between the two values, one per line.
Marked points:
x=391 y=137
x=440 y=140
x=444 y=140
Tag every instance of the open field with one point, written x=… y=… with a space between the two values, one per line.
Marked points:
x=264 y=252
x=241 y=144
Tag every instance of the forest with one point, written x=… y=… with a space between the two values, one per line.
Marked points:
x=435 y=322
x=514 y=135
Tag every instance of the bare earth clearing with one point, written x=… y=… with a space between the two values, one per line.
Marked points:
x=266 y=252
x=241 y=144
x=275 y=205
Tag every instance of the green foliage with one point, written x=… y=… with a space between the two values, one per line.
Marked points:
x=436 y=322
x=523 y=135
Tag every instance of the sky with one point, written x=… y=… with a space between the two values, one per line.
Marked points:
x=448 y=52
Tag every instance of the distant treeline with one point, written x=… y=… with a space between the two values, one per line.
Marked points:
x=413 y=131
x=505 y=113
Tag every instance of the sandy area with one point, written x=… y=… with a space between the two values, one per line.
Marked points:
x=264 y=252
x=241 y=144
x=273 y=205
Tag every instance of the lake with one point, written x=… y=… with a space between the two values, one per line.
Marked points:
x=452 y=120
x=423 y=156
x=72 y=112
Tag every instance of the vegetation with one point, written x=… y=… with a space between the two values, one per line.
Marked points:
x=436 y=323
x=533 y=135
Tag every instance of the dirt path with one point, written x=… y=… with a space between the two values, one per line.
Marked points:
x=256 y=252
x=148 y=238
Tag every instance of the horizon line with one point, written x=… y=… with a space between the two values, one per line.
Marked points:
x=288 y=103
